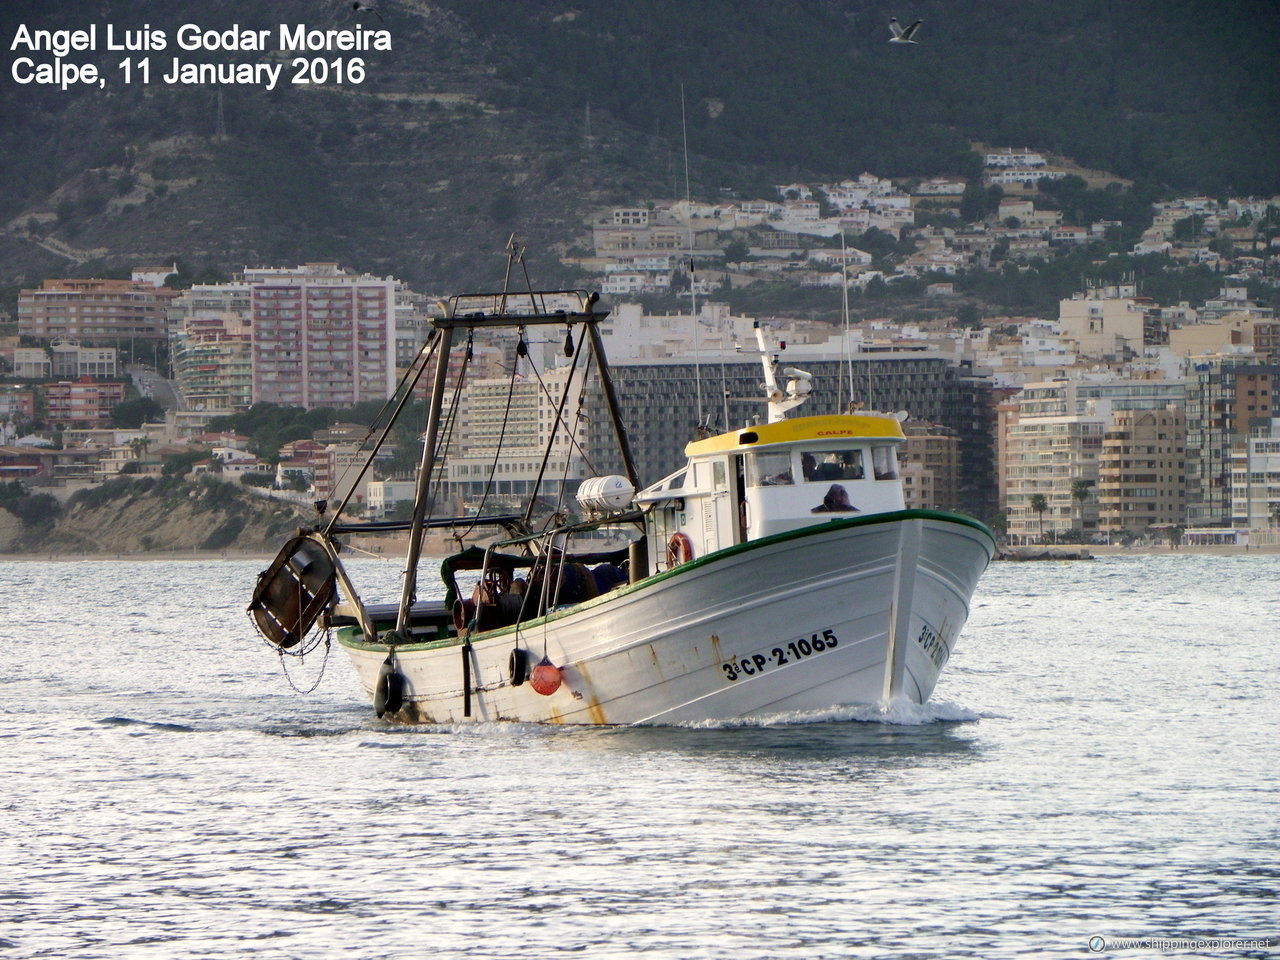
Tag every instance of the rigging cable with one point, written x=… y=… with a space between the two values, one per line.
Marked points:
x=408 y=383
x=451 y=419
x=497 y=453
x=578 y=417
x=573 y=439
x=555 y=429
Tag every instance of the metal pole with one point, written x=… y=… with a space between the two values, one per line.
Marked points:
x=423 y=489
x=611 y=400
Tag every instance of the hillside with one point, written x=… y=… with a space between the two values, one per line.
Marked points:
x=153 y=516
x=490 y=117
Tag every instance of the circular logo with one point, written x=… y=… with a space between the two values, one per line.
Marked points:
x=1097 y=944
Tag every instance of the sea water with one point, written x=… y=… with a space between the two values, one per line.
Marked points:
x=1096 y=775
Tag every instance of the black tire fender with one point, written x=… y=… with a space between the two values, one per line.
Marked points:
x=518 y=666
x=388 y=694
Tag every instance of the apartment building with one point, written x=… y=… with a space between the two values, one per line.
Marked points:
x=212 y=347
x=338 y=473
x=32 y=363
x=1234 y=301
x=321 y=337
x=505 y=426
x=1046 y=456
x=1255 y=479
x=1105 y=322
x=929 y=465
x=1141 y=471
x=94 y=312
x=384 y=495
x=16 y=405
x=73 y=361
x=1229 y=396
x=1009 y=157
x=82 y=403
x=1052 y=439
x=629 y=239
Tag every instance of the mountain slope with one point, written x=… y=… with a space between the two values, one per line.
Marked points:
x=490 y=117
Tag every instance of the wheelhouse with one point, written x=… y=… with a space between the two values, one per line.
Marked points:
x=770 y=479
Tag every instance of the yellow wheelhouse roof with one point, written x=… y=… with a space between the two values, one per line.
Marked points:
x=855 y=426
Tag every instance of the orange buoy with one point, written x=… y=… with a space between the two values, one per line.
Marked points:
x=545 y=678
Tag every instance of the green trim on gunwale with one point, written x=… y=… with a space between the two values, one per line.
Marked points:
x=346 y=635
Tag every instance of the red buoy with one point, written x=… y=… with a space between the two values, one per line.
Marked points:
x=545 y=678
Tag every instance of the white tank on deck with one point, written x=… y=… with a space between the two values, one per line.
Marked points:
x=606 y=494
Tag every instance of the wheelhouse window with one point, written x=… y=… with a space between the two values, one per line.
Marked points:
x=768 y=468
x=825 y=465
x=884 y=462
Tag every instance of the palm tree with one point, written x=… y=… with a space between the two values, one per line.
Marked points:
x=1080 y=493
x=1039 y=504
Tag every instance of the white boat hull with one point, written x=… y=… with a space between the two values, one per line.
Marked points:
x=849 y=612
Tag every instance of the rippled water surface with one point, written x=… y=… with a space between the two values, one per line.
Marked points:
x=1099 y=761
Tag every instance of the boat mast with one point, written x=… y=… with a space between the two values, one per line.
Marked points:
x=422 y=492
x=611 y=397
x=848 y=353
x=693 y=280
x=798 y=387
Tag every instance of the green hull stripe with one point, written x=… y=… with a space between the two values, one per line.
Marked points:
x=350 y=636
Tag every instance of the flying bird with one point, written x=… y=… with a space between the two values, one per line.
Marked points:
x=359 y=7
x=900 y=35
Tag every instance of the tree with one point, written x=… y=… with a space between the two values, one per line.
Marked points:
x=132 y=414
x=979 y=201
x=180 y=464
x=1187 y=228
x=999 y=525
x=1080 y=493
x=37 y=510
x=968 y=315
x=403 y=510
x=1039 y=504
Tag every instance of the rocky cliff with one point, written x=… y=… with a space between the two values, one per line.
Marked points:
x=153 y=515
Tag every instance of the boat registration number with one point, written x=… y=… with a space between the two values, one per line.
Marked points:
x=792 y=651
x=934 y=646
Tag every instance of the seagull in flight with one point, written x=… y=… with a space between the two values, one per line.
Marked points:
x=359 y=7
x=899 y=34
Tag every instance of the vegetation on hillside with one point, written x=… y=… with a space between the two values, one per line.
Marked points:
x=815 y=86
x=489 y=117
x=131 y=514
x=269 y=426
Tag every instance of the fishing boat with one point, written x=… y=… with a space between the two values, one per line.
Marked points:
x=776 y=572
